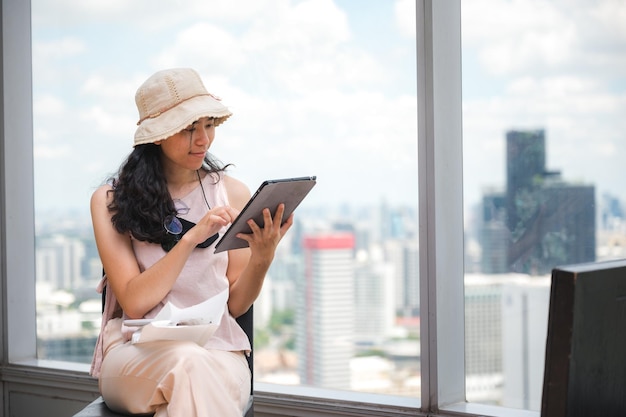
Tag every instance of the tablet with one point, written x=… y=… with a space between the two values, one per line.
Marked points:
x=290 y=191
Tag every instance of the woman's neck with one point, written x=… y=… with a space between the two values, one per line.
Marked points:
x=182 y=183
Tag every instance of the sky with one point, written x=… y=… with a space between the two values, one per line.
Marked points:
x=554 y=65
x=317 y=87
x=328 y=88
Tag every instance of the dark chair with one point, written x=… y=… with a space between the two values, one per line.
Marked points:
x=98 y=408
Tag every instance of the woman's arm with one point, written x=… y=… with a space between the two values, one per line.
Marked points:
x=247 y=267
x=137 y=292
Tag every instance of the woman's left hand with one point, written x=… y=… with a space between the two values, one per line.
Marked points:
x=263 y=241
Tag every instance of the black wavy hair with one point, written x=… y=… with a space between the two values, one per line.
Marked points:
x=141 y=200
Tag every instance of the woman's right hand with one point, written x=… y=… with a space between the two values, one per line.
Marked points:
x=211 y=223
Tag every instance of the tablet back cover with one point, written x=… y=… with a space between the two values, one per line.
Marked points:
x=290 y=191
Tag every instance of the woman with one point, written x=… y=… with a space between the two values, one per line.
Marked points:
x=170 y=182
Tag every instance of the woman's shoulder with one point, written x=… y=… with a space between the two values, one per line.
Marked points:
x=238 y=192
x=102 y=194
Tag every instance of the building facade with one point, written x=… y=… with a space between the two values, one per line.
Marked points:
x=325 y=311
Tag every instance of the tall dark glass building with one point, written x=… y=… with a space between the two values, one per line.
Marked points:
x=525 y=170
x=549 y=222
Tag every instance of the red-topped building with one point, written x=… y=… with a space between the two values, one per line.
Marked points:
x=326 y=311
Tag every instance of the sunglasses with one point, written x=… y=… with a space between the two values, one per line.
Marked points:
x=176 y=227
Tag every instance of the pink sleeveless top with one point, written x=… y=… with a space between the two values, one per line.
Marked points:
x=204 y=274
x=202 y=277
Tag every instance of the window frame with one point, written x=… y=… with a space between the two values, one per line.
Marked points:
x=17 y=223
x=440 y=164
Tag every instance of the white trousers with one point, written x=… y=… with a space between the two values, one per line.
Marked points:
x=172 y=378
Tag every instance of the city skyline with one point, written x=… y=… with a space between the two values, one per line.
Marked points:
x=384 y=261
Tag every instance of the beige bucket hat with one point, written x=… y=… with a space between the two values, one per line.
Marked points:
x=172 y=99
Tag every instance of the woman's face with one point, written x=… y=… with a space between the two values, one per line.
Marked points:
x=187 y=148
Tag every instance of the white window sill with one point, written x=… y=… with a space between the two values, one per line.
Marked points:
x=269 y=399
x=473 y=409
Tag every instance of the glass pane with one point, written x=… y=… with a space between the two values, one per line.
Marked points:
x=543 y=100
x=317 y=88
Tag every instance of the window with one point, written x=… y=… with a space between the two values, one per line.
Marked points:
x=445 y=302
x=314 y=91
x=543 y=100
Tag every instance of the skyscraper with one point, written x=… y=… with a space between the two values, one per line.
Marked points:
x=525 y=169
x=373 y=300
x=403 y=254
x=59 y=262
x=325 y=311
x=506 y=318
x=548 y=221
x=494 y=234
x=562 y=230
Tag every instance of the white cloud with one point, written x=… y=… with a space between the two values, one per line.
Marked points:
x=517 y=55
x=535 y=36
x=149 y=16
x=305 y=48
x=100 y=85
x=107 y=122
x=58 y=48
x=308 y=96
x=611 y=15
x=555 y=65
x=48 y=105
x=308 y=23
x=405 y=17
x=204 y=46
x=508 y=19
x=51 y=152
